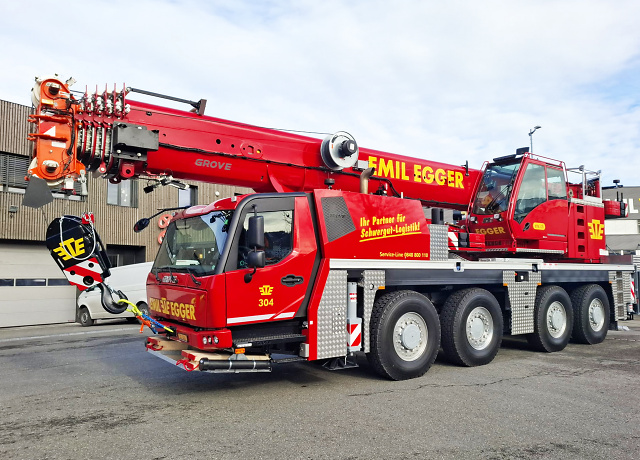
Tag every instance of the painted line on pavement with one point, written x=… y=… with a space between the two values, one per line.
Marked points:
x=68 y=334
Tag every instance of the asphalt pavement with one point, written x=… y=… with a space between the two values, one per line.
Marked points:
x=68 y=392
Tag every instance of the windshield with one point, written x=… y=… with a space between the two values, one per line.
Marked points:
x=495 y=189
x=194 y=244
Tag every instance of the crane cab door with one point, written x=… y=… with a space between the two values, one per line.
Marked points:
x=278 y=291
x=539 y=212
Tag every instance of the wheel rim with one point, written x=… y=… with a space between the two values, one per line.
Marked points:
x=84 y=316
x=410 y=336
x=556 y=319
x=596 y=315
x=479 y=328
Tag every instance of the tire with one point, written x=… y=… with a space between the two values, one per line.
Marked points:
x=144 y=308
x=405 y=335
x=84 y=318
x=553 y=320
x=591 y=314
x=472 y=327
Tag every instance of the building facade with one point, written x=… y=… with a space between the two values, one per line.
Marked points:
x=32 y=288
x=623 y=235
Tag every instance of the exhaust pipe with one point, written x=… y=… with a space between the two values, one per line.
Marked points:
x=364 y=179
x=246 y=365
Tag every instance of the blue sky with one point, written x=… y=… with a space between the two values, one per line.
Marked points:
x=448 y=81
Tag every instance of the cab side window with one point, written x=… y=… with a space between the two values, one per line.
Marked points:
x=556 y=185
x=278 y=237
x=533 y=191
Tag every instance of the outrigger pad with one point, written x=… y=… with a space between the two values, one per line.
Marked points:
x=37 y=194
x=78 y=251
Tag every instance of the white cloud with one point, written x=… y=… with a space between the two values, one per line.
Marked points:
x=447 y=81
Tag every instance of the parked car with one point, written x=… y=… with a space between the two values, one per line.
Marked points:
x=130 y=279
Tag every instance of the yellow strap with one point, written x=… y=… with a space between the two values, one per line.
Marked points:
x=133 y=308
x=136 y=311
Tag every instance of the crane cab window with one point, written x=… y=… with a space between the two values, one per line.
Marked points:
x=495 y=189
x=539 y=184
x=556 y=184
x=278 y=237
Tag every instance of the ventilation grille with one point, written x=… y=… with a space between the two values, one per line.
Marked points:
x=337 y=219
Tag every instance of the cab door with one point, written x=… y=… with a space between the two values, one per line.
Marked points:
x=541 y=210
x=278 y=291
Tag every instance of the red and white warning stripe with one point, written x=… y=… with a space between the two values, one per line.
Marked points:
x=453 y=240
x=87 y=268
x=633 y=291
x=355 y=335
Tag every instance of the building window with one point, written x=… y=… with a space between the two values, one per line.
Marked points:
x=123 y=194
x=13 y=169
x=188 y=197
x=58 y=282
x=31 y=282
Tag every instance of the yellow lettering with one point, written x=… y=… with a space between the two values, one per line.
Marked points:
x=459 y=179
x=417 y=177
x=427 y=177
x=404 y=171
x=440 y=176
x=372 y=162
x=70 y=248
x=386 y=169
x=192 y=313
x=450 y=178
x=596 y=229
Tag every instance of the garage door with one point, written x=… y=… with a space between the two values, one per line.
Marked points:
x=33 y=290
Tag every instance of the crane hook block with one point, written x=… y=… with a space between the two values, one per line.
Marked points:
x=339 y=151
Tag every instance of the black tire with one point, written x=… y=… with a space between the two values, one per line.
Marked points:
x=553 y=320
x=472 y=327
x=144 y=308
x=84 y=318
x=405 y=335
x=591 y=314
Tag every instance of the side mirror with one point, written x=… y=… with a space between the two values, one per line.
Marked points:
x=255 y=232
x=141 y=225
x=256 y=259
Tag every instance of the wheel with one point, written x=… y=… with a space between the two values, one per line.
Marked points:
x=144 y=308
x=405 y=335
x=472 y=324
x=553 y=319
x=85 y=317
x=591 y=312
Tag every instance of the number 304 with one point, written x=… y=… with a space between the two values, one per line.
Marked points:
x=265 y=302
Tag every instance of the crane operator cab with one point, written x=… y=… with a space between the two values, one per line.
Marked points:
x=523 y=204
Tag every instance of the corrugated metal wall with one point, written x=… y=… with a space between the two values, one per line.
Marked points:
x=14 y=128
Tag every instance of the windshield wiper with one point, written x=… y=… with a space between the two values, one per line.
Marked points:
x=155 y=273
x=193 y=278
x=165 y=267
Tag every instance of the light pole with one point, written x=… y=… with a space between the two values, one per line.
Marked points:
x=535 y=128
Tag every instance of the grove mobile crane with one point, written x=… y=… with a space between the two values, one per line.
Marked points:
x=334 y=254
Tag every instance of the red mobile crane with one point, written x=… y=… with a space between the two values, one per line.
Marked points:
x=313 y=266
